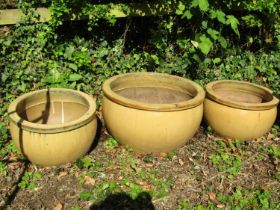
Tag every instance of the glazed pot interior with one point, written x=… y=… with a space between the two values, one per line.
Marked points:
x=153 y=89
x=52 y=107
x=238 y=92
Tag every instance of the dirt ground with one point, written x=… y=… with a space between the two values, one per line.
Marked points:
x=113 y=177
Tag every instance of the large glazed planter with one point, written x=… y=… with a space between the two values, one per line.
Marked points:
x=239 y=110
x=53 y=126
x=152 y=112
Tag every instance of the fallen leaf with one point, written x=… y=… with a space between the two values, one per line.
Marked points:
x=89 y=180
x=149 y=165
x=181 y=162
x=112 y=167
x=62 y=174
x=14 y=165
x=221 y=206
x=162 y=154
x=270 y=136
x=58 y=206
x=147 y=187
x=266 y=188
x=212 y=196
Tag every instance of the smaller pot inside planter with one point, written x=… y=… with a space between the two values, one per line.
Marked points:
x=152 y=112
x=53 y=126
x=239 y=110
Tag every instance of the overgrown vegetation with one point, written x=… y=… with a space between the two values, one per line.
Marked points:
x=203 y=40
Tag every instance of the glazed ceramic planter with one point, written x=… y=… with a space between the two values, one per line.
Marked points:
x=239 y=110
x=152 y=112
x=53 y=126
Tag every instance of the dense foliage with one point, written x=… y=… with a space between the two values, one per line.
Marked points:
x=84 y=44
x=204 y=40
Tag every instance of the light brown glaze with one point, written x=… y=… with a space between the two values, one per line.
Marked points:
x=239 y=110
x=152 y=112
x=54 y=126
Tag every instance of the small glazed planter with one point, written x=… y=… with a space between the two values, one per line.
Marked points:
x=53 y=126
x=239 y=110
x=152 y=112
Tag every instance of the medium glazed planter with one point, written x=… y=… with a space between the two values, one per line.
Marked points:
x=239 y=110
x=53 y=126
x=152 y=112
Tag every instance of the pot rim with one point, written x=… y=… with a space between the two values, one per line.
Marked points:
x=182 y=105
x=210 y=92
x=52 y=128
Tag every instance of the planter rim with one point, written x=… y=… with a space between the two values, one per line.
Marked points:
x=52 y=128
x=182 y=105
x=241 y=105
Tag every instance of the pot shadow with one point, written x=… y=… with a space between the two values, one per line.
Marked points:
x=277 y=121
x=23 y=115
x=10 y=198
x=122 y=201
x=97 y=135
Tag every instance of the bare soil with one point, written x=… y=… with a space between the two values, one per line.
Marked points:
x=154 y=95
x=240 y=96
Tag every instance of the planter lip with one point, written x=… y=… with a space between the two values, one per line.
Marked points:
x=182 y=105
x=210 y=92
x=88 y=116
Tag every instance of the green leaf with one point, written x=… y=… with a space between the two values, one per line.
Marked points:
x=195 y=3
x=213 y=33
x=221 y=16
x=155 y=58
x=73 y=66
x=233 y=22
x=205 y=45
x=203 y=5
x=200 y=207
x=204 y=24
x=69 y=51
x=187 y=14
x=217 y=60
x=75 y=77
x=180 y=9
x=222 y=41
x=85 y=195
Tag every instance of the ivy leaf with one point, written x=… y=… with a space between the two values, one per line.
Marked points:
x=217 y=60
x=75 y=77
x=73 y=66
x=180 y=9
x=204 y=24
x=233 y=22
x=205 y=44
x=220 y=15
x=203 y=5
x=155 y=58
x=194 y=3
x=213 y=33
x=187 y=14
x=222 y=41
x=69 y=51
